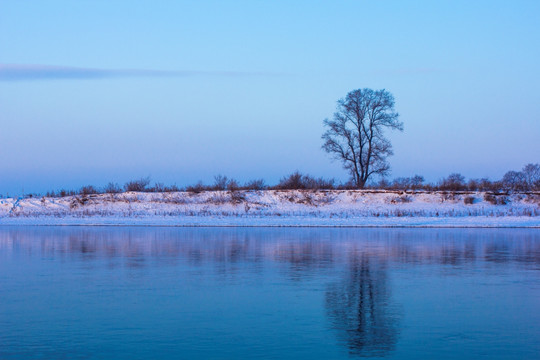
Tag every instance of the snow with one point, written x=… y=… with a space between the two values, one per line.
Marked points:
x=358 y=208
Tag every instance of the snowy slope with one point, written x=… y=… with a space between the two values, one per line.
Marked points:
x=279 y=208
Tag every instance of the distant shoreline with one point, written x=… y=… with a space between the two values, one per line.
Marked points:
x=280 y=208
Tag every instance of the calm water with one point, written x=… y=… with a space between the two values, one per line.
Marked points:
x=136 y=293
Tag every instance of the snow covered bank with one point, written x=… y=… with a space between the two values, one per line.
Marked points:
x=279 y=208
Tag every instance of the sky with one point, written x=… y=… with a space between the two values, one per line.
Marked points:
x=93 y=92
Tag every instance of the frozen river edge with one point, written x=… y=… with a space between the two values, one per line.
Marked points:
x=465 y=222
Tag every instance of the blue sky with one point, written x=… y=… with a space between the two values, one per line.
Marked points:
x=99 y=91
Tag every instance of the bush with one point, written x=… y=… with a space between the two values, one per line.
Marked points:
x=496 y=199
x=514 y=180
x=112 y=188
x=232 y=185
x=318 y=183
x=490 y=198
x=64 y=193
x=402 y=199
x=220 y=182
x=197 y=188
x=137 y=185
x=172 y=188
x=531 y=172
x=468 y=200
x=88 y=190
x=417 y=182
x=401 y=183
x=237 y=197
x=158 y=187
x=454 y=182
x=382 y=184
x=291 y=182
x=257 y=184
x=483 y=184
x=297 y=181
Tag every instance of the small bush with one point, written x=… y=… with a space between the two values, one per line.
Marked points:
x=220 y=182
x=112 y=188
x=232 y=185
x=448 y=196
x=137 y=185
x=237 y=197
x=64 y=193
x=318 y=183
x=402 y=199
x=297 y=181
x=88 y=190
x=257 y=184
x=468 y=200
x=496 y=199
x=490 y=198
x=172 y=188
x=197 y=188
x=158 y=187
x=533 y=198
x=291 y=182
x=454 y=182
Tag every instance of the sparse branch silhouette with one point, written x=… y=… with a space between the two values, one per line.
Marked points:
x=355 y=134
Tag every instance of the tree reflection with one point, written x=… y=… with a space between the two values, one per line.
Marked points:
x=359 y=308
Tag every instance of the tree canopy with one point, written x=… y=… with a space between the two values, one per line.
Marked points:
x=355 y=134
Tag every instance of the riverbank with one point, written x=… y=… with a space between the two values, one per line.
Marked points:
x=332 y=208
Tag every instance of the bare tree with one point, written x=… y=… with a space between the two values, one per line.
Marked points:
x=454 y=182
x=355 y=135
x=531 y=172
x=514 y=180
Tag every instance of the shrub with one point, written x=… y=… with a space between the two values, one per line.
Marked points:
x=514 y=180
x=197 y=188
x=318 y=183
x=112 y=188
x=158 y=187
x=448 y=196
x=172 y=188
x=483 y=184
x=220 y=182
x=257 y=184
x=533 y=198
x=496 y=199
x=64 y=193
x=237 y=197
x=88 y=190
x=469 y=200
x=417 y=182
x=402 y=199
x=232 y=185
x=401 y=183
x=137 y=185
x=291 y=182
x=453 y=182
x=297 y=181
x=382 y=184
x=490 y=198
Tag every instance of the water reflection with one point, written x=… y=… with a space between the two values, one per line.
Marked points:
x=350 y=267
x=301 y=250
x=360 y=307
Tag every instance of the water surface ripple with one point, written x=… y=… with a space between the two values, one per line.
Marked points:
x=233 y=293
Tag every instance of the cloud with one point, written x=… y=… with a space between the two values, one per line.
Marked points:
x=18 y=72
